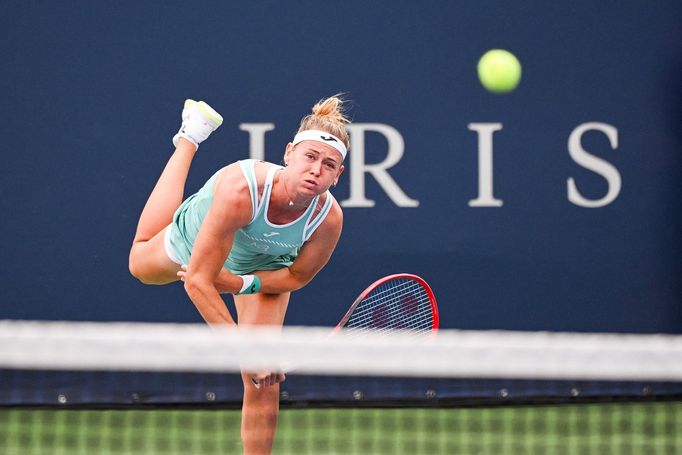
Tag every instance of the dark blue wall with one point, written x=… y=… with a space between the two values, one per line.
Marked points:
x=92 y=94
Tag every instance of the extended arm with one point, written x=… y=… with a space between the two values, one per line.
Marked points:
x=230 y=210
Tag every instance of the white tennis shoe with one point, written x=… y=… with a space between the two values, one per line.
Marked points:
x=199 y=120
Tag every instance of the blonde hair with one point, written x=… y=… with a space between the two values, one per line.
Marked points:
x=328 y=115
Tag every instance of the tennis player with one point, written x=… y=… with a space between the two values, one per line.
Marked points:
x=255 y=229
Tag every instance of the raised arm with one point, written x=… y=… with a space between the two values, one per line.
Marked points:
x=230 y=210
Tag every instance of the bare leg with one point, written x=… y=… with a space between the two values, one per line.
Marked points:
x=168 y=193
x=148 y=260
x=261 y=405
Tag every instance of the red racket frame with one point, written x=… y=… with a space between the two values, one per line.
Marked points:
x=377 y=283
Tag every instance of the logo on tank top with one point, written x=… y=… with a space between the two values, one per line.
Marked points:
x=259 y=246
x=270 y=234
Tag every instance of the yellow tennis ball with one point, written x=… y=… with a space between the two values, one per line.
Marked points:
x=499 y=71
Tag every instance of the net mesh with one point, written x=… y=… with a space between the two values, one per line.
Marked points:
x=147 y=389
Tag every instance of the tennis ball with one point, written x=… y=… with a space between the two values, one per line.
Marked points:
x=499 y=71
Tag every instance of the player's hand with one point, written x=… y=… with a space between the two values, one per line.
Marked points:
x=266 y=379
x=224 y=284
x=181 y=273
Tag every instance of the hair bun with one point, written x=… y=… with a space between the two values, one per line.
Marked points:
x=328 y=115
x=332 y=109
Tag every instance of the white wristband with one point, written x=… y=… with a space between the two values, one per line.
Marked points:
x=247 y=281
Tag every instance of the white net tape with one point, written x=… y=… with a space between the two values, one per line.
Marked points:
x=450 y=353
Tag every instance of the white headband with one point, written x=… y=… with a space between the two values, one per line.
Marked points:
x=321 y=136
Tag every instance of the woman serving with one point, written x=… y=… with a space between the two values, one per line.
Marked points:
x=255 y=229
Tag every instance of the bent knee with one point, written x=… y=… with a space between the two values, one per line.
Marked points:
x=149 y=262
x=136 y=263
x=139 y=271
x=150 y=278
x=144 y=268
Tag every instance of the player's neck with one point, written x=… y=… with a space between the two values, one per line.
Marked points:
x=289 y=199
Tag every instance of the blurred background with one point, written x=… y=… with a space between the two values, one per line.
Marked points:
x=92 y=95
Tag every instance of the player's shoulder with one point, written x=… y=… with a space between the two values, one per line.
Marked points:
x=332 y=224
x=236 y=172
x=335 y=215
x=231 y=175
x=261 y=169
x=231 y=185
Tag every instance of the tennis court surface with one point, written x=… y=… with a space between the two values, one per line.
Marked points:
x=74 y=388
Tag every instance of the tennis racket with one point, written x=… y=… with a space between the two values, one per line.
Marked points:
x=395 y=302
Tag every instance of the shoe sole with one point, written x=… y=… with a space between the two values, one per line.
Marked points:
x=207 y=110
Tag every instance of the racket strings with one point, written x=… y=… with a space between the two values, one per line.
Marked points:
x=394 y=305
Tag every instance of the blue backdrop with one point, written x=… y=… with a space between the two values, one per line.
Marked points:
x=92 y=93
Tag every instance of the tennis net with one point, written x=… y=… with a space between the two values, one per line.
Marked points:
x=157 y=388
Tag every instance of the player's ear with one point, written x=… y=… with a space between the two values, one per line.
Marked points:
x=287 y=153
x=336 y=180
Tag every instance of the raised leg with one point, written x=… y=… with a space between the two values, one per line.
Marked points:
x=167 y=194
x=148 y=260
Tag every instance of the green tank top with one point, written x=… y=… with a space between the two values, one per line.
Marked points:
x=260 y=245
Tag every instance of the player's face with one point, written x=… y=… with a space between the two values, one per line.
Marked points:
x=317 y=166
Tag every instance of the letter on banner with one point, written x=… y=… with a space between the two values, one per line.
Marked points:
x=485 y=165
x=358 y=167
x=257 y=138
x=594 y=164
